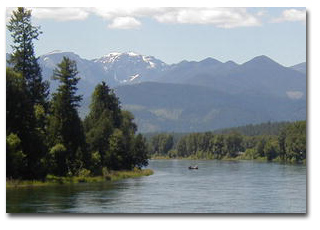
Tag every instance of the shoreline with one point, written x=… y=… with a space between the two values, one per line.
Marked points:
x=55 y=180
x=239 y=158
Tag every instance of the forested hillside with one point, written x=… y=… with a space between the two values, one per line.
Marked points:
x=269 y=128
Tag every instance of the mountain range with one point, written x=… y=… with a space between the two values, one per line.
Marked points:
x=192 y=96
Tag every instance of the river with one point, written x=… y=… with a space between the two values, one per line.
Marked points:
x=216 y=187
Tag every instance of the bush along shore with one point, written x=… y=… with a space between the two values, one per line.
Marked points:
x=84 y=178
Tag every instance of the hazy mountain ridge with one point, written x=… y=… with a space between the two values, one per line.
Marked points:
x=302 y=67
x=260 y=75
x=130 y=67
x=191 y=96
x=188 y=108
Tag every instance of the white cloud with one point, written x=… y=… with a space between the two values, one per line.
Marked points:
x=128 y=18
x=291 y=15
x=219 y=17
x=261 y=13
x=124 y=23
x=60 y=14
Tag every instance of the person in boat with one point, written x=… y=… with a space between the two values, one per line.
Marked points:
x=193 y=167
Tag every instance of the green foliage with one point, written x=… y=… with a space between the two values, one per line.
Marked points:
x=84 y=173
x=96 y=163
x=271 y=149
x=25 y=91
x=23 y=58
x=250 y=154
x=18 y=107
x=234 y=144
x=16 y=159
x=104 y=117
x=45 y=137
x=268 y=128
x=117 y=150
x=288 y=145
x=104 y=102
x=162 y=143
x=219 y=148
x=56 y=160
x=65 y=126
x=295 y=141
x=140 y=152
x=110 y=133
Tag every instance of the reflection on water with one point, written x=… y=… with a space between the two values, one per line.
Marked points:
x=216 y=187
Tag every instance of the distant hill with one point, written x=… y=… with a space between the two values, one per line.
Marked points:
x=166 y=107
x=269 y=128
x=302 y=67
x=261 y=75
x=191 y=96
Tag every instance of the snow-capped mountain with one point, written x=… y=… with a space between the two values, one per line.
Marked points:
x=131 y=67
x=114 y=68
x=190 y=95
x=88 y=70
x=91 y=73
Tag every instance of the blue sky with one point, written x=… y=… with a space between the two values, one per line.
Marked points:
x=175 y=34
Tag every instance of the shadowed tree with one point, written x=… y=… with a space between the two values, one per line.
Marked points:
x=27 y=95
x=23 y=58
x=103 y=118
x=65 y=126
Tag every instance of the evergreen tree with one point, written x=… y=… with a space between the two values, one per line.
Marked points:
x=128 y=128
x=17 y=106
x=104 y=117
x=295 y=143
x=26 y=110
x=234 y=143
x=271 y=149
x=15 y=157
x=65 y=127
x=219 y=146
x=110 y=133
x=282 y=144
x=23 y=57
x=117 y=154
x=105 y=101
x=140 y=151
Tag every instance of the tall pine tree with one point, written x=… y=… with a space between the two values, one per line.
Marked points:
x=23 y=57
x=26 y=118
x=104 y=117
x=65 y=125
x=110 y=133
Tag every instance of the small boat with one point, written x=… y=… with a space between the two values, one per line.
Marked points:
x=193 y=167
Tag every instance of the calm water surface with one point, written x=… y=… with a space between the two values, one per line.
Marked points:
x=216 y=187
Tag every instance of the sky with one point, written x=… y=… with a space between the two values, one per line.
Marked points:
x=173 y=34
x=242 y=53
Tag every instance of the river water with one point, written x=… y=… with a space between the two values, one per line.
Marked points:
x=216 y=187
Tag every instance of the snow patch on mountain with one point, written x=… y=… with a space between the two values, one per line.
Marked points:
x=124 y=67
x=132 y=78
x=294 y=94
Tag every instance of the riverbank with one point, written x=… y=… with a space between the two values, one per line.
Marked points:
x=237 y=158
x=54 y=180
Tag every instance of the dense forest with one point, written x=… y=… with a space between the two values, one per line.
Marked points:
x=44 y=133
x=268 y=128
x=281 y=141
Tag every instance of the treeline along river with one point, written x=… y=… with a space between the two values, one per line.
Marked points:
x=216 y=187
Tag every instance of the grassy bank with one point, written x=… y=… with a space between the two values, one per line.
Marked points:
x=53 y=180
